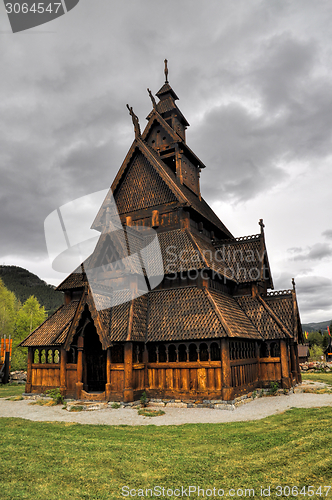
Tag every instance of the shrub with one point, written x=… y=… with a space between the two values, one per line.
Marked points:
x=56 y=395
x=115 y=406
x=144 y=400
x=274 y=386
x=315 y=353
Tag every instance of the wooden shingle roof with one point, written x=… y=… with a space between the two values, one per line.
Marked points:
x=260 y=318
x=77 y=279
x=184 y=196
x=53 y=331
x=236 y=321
x=246 y=258
x=182 y=314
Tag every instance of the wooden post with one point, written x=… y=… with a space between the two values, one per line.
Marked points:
x=227 y=390
x=28 y=384
x=79 y=383
x=108 y=375
x=258 y=362
x=285 y=380
x=85 y=374
x=299 y=376
x=145 y=362
x=128 y=394
x=63 y=361
x=293 y=363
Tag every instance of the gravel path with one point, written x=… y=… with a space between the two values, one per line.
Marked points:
x=254 y=410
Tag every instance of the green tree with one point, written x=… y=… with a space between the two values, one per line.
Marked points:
x=9 y=306
x=315 y=338
x=31 y=315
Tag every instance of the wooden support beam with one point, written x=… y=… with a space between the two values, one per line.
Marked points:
x=285 y=380
x=293 y=363
x=128 y=394
x=108 y=375
x=63 y=361
x=155 y=218
x=145 y=362
x=299 y=376
x=79 y=383
x=227 y=390
x=28 y=384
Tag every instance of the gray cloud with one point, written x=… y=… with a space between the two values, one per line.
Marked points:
x=316 y=252
x=328 y=234
x=253 y=78
x=314 y=294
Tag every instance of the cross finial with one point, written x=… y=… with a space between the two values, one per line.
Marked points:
x=261 y=223
x=293 y=283
x=166 y=71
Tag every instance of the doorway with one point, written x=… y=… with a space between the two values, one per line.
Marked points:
x=95 y=360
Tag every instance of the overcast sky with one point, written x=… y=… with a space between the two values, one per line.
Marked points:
x=254 y=80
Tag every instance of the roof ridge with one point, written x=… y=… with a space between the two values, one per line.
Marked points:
x=217 y=311
x=239 y=239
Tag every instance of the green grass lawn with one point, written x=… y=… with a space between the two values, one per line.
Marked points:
x=318 y=377
x=11 y=389
x=48 y=461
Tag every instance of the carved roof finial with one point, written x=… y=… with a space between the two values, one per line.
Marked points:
x=166 y=71
x=152 y=99
x=293 y=283
x=135 y=121
x=261 y=223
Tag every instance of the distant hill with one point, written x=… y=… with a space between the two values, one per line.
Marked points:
x=314 y=327
x=23 y=284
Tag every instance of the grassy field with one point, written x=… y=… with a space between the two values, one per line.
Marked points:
x=42 y=460
x=318 y=377
x=11 y=389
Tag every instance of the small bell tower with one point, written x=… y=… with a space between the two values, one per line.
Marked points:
x=167 y=136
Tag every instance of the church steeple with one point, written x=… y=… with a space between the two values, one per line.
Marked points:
x=165 y=133
x=167 y=108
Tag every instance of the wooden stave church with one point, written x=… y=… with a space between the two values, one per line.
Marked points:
x=209 y=330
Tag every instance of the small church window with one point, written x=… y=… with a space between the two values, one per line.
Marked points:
x=193 y=352
x=203 y=352
x=162 y=353
x=172 y=353
x=152 y=354
x=215 y=352
x=36 y=356
x=182 y=353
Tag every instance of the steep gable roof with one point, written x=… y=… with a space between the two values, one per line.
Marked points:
x=53 y=331
x=246 y=257
x=182 y=194
x=261 y=318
